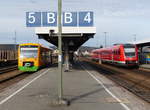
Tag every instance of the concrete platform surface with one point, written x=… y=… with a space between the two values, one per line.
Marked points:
x=82 y=87
x=146 y=66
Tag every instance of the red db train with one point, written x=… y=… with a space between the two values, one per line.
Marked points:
x=120 y=54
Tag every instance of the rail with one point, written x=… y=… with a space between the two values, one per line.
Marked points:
x=8 y=69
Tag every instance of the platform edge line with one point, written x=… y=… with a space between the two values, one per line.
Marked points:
x=106 y=89
x=19 y=90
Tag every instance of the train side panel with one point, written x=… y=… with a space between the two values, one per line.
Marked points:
x=123 y=54
x=106 y=55
x=118 y=55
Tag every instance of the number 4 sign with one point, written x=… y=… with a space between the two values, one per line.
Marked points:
x=85 y=18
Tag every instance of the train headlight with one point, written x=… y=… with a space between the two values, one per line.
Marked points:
x=136 y=61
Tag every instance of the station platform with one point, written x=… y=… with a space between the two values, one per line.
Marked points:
x=145 y=66
x=84 y=87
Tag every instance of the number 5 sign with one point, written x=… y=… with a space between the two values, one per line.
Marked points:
x=33 y=19
x=74 y=19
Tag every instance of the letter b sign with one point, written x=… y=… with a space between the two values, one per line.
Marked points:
x=70 y=19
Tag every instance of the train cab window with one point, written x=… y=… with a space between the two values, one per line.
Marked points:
x=129 y=50
x=29 y=51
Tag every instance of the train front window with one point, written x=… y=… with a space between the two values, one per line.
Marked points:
x=129 y=52
x=28 y=51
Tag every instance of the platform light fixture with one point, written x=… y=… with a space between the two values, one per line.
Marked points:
x=134 y=35
x=105 y=33
x=61 y=100
x=15 y=41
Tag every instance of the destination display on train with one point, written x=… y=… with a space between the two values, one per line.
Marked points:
x=49 y=19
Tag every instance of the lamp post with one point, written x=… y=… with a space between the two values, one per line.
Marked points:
x=15 y=37
x=15 y=42
x=105 y=39
x=61 y=100
x=60 y=93
x=134 y=38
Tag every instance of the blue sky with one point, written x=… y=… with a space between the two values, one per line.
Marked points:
x=120 y=18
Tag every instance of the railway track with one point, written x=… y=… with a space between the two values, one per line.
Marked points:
x=8 y=69
x=134 y=80
x=10 y=75
x=9 y=72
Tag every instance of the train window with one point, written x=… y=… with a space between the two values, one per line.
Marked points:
x=115 y=52
x=29 y=46
x=11 y=56
x=8 y=55
x=4 y=55
x=129 y=46
x=1 y=54
x=129 y=52
x=29 y=52
x=119 y=52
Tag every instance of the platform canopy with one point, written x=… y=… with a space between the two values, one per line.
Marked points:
x=143 y=44
x=73 y=36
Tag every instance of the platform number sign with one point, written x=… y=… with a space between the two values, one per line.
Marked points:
x=33 y=19
x=69 y=18
x=49 y=18
x=72 y=19
x=86 y=19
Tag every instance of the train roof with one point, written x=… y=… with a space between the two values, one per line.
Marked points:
x=100 y=49
x=114 y=46
x=34 y=44
x=127 y=44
